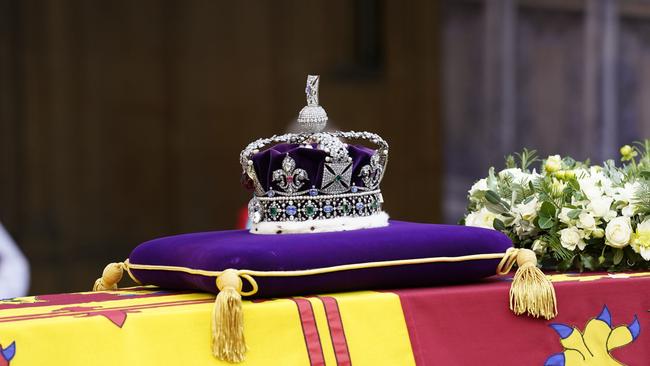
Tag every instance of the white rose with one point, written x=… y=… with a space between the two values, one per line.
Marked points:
x=618 y=232
x=479 y=186
x=553 y=163
x=527 y=211
x=602 y=207
x=571 y=238
x=482 y=218
x=586 y=222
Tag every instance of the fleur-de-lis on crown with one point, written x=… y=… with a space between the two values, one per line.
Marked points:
x=289 y=178
x=371 y=173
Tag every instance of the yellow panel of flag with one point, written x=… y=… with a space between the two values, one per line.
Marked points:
x=149 y=327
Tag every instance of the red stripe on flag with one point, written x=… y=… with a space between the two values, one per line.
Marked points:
x=310 y=331
x=337 y=332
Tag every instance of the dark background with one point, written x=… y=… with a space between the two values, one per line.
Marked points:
x=121 y=121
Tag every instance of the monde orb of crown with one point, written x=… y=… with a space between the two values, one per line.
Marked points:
x=312 y=117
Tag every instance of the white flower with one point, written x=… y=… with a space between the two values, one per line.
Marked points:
x=602 y=207
x=526 y=211
x=564 y=215
x=518 y=176
x=571 y=237
x=524 y=228
x=479 y=186
x=590 y=186
x=482 y=218
x=557 y=187
x=641 y=240
x=539 y=246
x=586 y=222
x=626 y=193
x=629 y=210
x=618 y=232
x=525 y=214
x=514 y=172
x=553 y=163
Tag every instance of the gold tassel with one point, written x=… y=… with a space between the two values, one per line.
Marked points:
x=228 y=341
x=110 y=277
x=531 y=292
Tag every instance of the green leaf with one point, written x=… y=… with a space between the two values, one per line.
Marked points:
x=547 y=209
x=527 y=158
x=510 y=162
x=573 y=183
x=545 y=222
x=573 y=214
x=491 y=179
x=564 y=265
x=618 y=256
x=631 y=256
x=559 y=252
x=499 y=225
x=645 y=174
x=496 y=208
x=589 y=262
x=493 y=197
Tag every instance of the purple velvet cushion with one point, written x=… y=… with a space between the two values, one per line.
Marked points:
x=239 y=249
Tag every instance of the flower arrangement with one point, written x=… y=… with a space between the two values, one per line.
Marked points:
x=572 y=214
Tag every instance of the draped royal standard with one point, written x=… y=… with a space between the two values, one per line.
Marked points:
x=452 y=325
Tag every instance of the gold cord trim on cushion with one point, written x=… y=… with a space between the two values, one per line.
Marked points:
x=530 y=292
x=315 y=271
x=127 y=268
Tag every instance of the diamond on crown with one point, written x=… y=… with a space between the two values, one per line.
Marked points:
x=289 y=178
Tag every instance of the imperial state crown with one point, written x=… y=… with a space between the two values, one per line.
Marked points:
x=314 y=181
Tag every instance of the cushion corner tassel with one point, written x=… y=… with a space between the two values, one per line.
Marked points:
x=531 y=291
x=111 y=276
x=228 y=341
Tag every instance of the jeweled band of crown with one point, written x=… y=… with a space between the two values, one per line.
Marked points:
x=302 y=208
x=342 y=187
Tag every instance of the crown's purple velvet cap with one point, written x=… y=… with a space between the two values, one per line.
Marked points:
x=239 y=249
x=311 y=160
